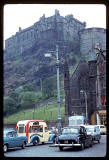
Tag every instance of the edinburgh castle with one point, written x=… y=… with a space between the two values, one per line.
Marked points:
x=57 y=28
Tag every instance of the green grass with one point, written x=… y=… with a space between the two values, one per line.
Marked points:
x=47 y=113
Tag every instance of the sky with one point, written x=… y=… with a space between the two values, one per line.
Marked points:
x=25 y=15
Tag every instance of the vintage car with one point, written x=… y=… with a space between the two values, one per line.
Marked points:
x=74 y=136
x=12 y=140
x=94 y=131
x=35 y=130
x=102 y=129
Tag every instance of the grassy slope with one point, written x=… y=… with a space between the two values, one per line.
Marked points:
x=48 y=113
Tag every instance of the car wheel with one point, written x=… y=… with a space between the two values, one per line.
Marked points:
x=91 y=143
x=54 y=140
x=61 y=148
x=99 y=141
x=5 y=147
x=82 y=146
x=35 y=142
x=23 y=145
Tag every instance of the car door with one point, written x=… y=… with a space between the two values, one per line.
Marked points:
x=17 y=139
x=11 y=140
x=82 y=136
x=46 y=134
x=87 y=138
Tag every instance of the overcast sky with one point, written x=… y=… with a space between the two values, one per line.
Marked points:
x=25 y=15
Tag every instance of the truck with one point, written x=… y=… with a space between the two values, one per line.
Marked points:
x=77 y=120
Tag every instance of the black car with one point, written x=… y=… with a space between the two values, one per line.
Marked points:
x=74 y=136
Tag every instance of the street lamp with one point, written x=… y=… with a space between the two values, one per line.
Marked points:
x=83 y=91
x=58 y=89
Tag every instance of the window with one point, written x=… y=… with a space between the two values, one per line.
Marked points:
x=46 y=129
x=30 y=129
x=36 y=129
x=14 y=134
x=9 y=134
x=21 y=129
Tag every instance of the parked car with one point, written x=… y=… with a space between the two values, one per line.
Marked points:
x=94 y=131
x=12 y=140
x=73 y=136
x=102 y=129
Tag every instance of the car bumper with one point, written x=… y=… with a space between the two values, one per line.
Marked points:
x=66 y=145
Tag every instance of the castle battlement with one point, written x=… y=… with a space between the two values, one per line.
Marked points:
x=56 y=28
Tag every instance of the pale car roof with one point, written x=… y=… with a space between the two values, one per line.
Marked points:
x=91 y=126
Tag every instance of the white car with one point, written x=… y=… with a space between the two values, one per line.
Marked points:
x=102 y=129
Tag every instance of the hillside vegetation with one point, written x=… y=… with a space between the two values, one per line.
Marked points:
x=30 y=80
x=47 y=113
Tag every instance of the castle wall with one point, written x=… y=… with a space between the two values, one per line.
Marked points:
x=58 y=28
x=89 y=37
x=52 y=28
x=21 y=41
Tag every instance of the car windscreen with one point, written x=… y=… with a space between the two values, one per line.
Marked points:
x=70 y=131
x=6 y=133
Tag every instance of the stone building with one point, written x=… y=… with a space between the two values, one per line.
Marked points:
x=88 y=38
x=54 y=28
x=57 y=28
x=101 y=88
x=88 y=78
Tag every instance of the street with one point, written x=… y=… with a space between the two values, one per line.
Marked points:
x=97 y=150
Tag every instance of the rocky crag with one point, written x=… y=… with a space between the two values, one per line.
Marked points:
x=24 y=60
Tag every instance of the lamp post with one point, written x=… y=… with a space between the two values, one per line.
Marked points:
x=58 y=89
x=58 y=92
x=82 y=91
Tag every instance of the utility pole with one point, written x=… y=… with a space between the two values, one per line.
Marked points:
x=58 y=93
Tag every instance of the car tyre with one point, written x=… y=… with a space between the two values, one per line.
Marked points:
x=5 y=148
x=54 y=140
x=23 y=145
x=82 y=146
x=91 y=143
x=99 y=141
x=35 y=142
x=61 y=148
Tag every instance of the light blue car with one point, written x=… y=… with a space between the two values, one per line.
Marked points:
x=12 y=140
x=94 y=131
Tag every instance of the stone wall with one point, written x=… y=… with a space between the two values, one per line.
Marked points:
x=56 y=28
x=89 y=37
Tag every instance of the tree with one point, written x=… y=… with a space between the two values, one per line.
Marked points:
x=9 y=105
x=27 y=99
x=28 y=87
x=48 y=87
